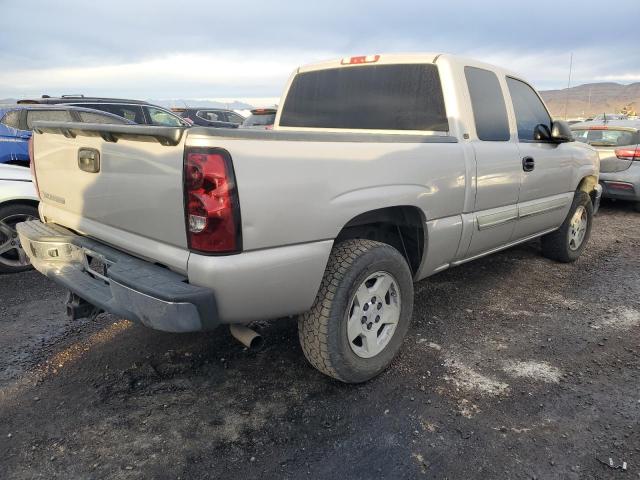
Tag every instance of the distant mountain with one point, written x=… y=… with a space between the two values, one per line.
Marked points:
x=592 y=99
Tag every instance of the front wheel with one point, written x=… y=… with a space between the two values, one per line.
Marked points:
x=361 y=313
x=567 y=243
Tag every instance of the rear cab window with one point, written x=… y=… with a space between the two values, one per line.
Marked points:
x=404 y=97
x=261 y=119
x=47 y=116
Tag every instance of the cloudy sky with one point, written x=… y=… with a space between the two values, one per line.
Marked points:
x=246 y=49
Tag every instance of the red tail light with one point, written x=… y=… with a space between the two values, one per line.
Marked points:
x=268 y=127
x=628 y=153
x=212 y=208
x=32 y=165
x=620 y=185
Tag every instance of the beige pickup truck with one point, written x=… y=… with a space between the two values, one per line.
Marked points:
x=380 y=171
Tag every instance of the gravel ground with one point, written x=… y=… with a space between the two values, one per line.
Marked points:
x=515 y=367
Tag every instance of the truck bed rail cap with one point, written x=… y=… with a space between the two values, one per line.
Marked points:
x=168 y=136
x=292 y=136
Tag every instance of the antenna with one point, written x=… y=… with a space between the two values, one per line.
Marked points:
x=566 y=102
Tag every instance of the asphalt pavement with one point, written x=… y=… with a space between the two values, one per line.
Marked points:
x=515 y=367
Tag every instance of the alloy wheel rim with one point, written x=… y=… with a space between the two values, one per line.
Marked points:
x=373 y=314
x=578 y=228
x=11 y=252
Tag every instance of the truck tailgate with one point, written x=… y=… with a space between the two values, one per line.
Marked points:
x=134 y=201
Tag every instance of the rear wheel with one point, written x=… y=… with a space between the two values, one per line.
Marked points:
x=12 y=256
x=361 y=313
x=567 y=243
x=637 y=206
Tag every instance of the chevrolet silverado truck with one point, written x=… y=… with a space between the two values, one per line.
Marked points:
x=380 y=171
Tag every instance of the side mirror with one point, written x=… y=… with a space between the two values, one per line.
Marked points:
x=561 y=132
x=542 y=133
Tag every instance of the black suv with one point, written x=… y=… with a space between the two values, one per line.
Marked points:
x=136 y=111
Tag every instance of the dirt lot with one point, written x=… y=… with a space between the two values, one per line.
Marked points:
x=515 y=367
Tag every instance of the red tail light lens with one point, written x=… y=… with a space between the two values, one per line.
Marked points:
x=620 y=185
x=212 y=208
x=32 y=165
x=628 y=153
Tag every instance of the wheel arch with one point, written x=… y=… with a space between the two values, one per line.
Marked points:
x=401 y=226
x=20 y=201
x=588 y=185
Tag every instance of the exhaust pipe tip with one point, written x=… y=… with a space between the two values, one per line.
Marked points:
x=246 y=336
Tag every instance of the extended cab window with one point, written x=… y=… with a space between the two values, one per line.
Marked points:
x=47 y=116
x=377 y=97
x=529 y=109
x=487 y=102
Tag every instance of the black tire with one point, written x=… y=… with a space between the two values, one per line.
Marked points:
x=637 y=206
x=556 y=245
x=9 y=213
x=323 y=329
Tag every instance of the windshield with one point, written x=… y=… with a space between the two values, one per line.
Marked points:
x=260 y=120
x=606 y=138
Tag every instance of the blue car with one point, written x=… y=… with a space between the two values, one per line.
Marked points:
x=16 y=123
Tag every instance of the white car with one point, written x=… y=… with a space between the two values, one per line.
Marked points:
x=18 y=202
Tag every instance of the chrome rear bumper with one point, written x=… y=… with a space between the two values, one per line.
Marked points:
x=117 y=282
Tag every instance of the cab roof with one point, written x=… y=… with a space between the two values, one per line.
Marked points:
x=404 y=58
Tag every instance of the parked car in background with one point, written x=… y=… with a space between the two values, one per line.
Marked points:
x=605 y=117
x=211 y=117
x=380 y=171
x=261 y=118
x=618 y=144
x=18 y=203
x=16 y=123
x=136 y=111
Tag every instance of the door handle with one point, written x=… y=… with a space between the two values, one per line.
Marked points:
x=528 y=164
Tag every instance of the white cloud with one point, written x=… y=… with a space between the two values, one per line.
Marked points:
x=184 y=75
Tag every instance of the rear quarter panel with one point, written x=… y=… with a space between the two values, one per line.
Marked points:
x=302 y=191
